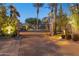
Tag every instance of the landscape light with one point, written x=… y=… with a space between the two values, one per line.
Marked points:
x=8 y=30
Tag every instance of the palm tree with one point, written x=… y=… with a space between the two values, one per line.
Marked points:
x=38 y=6
x=60 y=17
x=13 y=16
x=53 y=8
x=13 y=12
x=55 y=17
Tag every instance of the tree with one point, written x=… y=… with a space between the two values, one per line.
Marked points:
x=74 y=8
x=60 y=17
x=62 y=23
x=32 y=22
x=13 y=12
x=45 y=22
x=3 y=11
x=74 y=20
x=8 y=24
x=53 y=8
x=13 y=15
x=11 y=25
x=38 y=6
x=3 y=15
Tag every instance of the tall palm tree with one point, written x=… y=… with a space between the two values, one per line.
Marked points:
x=53 y=8
x=13 y=15
x=13 y=12
x=38 y=6
x=60 y=17
x=55 y=17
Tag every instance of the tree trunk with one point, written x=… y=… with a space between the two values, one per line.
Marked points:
x=37 y=26
x=51 y=24
x=55 y=15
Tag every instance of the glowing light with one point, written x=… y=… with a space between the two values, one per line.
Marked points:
x=9 y=29
x=55 y=38
x=64 y=32
x=62 y=43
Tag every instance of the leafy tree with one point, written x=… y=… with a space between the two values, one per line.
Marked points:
x=74 y=20
x=3 y=11
x=45 y=22
x=74 y=8
x=32 y=22
x=2 y=14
